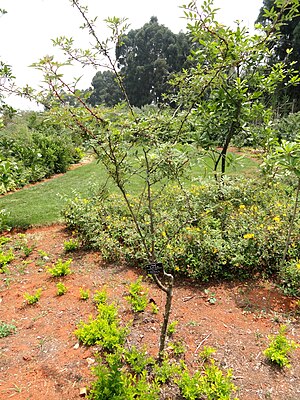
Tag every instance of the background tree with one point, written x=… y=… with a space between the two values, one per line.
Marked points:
x=146 y=59
x=287 y=98
x=223 y=91
x=105 y=89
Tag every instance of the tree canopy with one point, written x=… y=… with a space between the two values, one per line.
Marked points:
x=281 y=49
x=146 y=59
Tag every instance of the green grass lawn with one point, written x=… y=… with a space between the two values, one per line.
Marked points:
x=42 y=203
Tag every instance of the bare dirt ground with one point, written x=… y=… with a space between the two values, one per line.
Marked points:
x=42 y=359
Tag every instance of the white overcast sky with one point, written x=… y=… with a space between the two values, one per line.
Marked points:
x=28 y=27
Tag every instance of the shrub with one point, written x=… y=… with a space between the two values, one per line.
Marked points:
x=137 y=296
x=33 y=298
x=103 y=330
x=31 y=151
x=71 y=245
x=289 y=278
x=84 y=294
x=60 y=268
x=6 y=329
x=61 y=289
x=235 y=233
x=280 y=348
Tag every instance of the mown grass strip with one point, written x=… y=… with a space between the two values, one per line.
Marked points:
x=42 y=203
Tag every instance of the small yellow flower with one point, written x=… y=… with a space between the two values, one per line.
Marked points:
x=249 y=236
x=298 y=265
x=242 y=207
x=277 y=219
x=176 y=268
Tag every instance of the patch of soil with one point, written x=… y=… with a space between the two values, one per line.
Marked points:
x=43 y=360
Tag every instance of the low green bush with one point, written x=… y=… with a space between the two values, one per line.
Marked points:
x=289 y=278
x=237 y=232
x=33 y=148
x=280 y=348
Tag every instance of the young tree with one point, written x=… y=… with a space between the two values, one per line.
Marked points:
x=289 y=40
x=128 y=144
x=224 y=93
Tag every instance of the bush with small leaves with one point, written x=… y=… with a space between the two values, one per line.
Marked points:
x=61 y=289
x=103 y=330
x=84 y=294
x=71 y=245
x=280 y=348
x=6 y=329
x=100 y=297
x=289 y=278
x=33 y=298
x=60 y=268
x=138 y=296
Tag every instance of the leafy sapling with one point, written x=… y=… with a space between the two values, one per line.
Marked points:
x=33 y=298
x=60 y=268
x=280 y=348
x=71 y=245
x=61 y=289
x=6 y=329
x=84 y=294
x=138 y=296
x=172 y=328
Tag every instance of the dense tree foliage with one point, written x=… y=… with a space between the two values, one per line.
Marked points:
x=146 y=59
x=224 y=90
x=281 y=51
x=105 y=89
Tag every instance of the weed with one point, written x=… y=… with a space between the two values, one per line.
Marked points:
x=71 y=245
x=60 y=268
x=280 y=348
x=137 y=296
x=27 y=250
x=172 y=328
x=6 y=329
x=43 y=254
x=84 y=294
x=61 y=289
x=33 y=298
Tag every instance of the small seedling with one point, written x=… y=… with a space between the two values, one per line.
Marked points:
x=172 y=328
x=27 y=250
x=4 y=240
x=137 y=296
x=5 y=258
x=206 y=353
x=71 y=245
x=60 y=268
x=33 y=298
x=154 y=308
x=61 y=289
x=211 y=296
x=6 y=329
x=177 y=348
x=280 y=348
x=100 y=297
x=84 y=294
